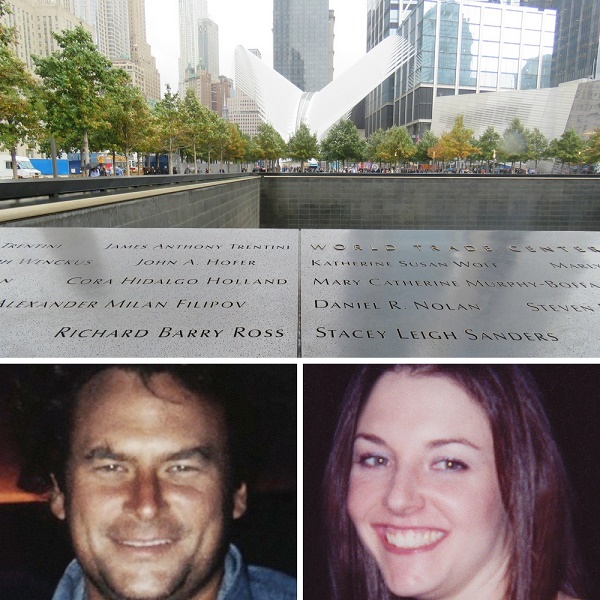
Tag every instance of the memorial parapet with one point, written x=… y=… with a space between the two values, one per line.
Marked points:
x=450 y=294
x=74 y=292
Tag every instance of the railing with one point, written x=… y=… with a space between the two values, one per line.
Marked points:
x=51 y=190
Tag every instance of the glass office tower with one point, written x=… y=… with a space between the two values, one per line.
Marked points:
x=301 y=42
x=577 y=51
x=464 y=47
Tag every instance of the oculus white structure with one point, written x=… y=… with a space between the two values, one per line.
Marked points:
x=285 y=106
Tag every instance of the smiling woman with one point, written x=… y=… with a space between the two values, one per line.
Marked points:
x=444 y=482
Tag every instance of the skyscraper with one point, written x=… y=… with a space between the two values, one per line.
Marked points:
x=191 y=13
x=208 y=46
x=301 y=42
x=35 y=22
x=576 y=52
x=141 y=52
x=94 y=12
x=462 y=47
x=120 y=34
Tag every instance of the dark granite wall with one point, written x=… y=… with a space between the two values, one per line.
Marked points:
x=431 y=202
x=234 y=204
x=321 y=201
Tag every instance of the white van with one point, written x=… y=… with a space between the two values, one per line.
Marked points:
x=25 y=169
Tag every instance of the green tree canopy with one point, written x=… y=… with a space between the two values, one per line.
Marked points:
x=269 y=143
x=593 y=147
x=513 y=146
x=375 y=145
x=7 y=34
x=235 y=147
x=343 y=143
x=397 y=145
x=488 y=144
x=75 y=80
x=199 y=128
x=303 y=145
x=537 y=145
x=20 y=108
x=569 y=148
x=169 y=116
x=428 y=140
x=128 y=116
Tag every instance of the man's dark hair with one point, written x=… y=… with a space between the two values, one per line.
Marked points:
x=48 y=437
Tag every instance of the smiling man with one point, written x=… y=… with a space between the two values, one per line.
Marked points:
x=148 y=482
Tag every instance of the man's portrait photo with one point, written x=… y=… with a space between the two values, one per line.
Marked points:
x=152 y=469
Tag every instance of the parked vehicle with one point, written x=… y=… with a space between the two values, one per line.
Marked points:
x=25 y=170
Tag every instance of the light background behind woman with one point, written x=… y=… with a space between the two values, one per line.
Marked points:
x=570 y=394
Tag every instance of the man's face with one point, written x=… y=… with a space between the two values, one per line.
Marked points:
x=146 y=490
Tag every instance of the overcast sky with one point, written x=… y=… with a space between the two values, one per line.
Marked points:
x=247 y=23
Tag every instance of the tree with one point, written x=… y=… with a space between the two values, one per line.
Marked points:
x=170 y=124
x=20 y=108
x=303 y=145
x=537 y=145
x=235 y=148
x=128 y=116
x=252 y=153
x=397 y=145
x=513 y=146
x=569 y=148
x=7 y=34
x=198 y=127
x=428 y=140
x=593 y=147
x=75 y=79
x=489 y=144
x=441 y=151
x=269 y=143
x=458 y=142
x=343 y=143
x=221 y=135
x=375 y=145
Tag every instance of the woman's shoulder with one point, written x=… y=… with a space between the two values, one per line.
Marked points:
x=563 y=596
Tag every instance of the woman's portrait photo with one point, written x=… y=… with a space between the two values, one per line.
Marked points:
x=448 y=482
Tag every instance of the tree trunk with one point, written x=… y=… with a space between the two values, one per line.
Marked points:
x=195 y=160
x=127 y=173
x=13 y=156
x=53 y=157
x=86 y=152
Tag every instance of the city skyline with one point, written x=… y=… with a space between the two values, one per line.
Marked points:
x=251 y=28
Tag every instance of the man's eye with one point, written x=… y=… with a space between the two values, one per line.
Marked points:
x=450 y=464
x=372 y=460
x=111 y=468
x=182 y=468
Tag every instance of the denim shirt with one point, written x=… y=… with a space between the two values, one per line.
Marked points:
x=240 y=582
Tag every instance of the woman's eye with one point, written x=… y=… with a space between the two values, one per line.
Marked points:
x=373 y=460
x=449 y=464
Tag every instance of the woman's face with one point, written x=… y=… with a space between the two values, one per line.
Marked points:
x=424 y=494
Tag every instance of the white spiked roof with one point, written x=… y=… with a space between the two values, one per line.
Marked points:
x=285 y=106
